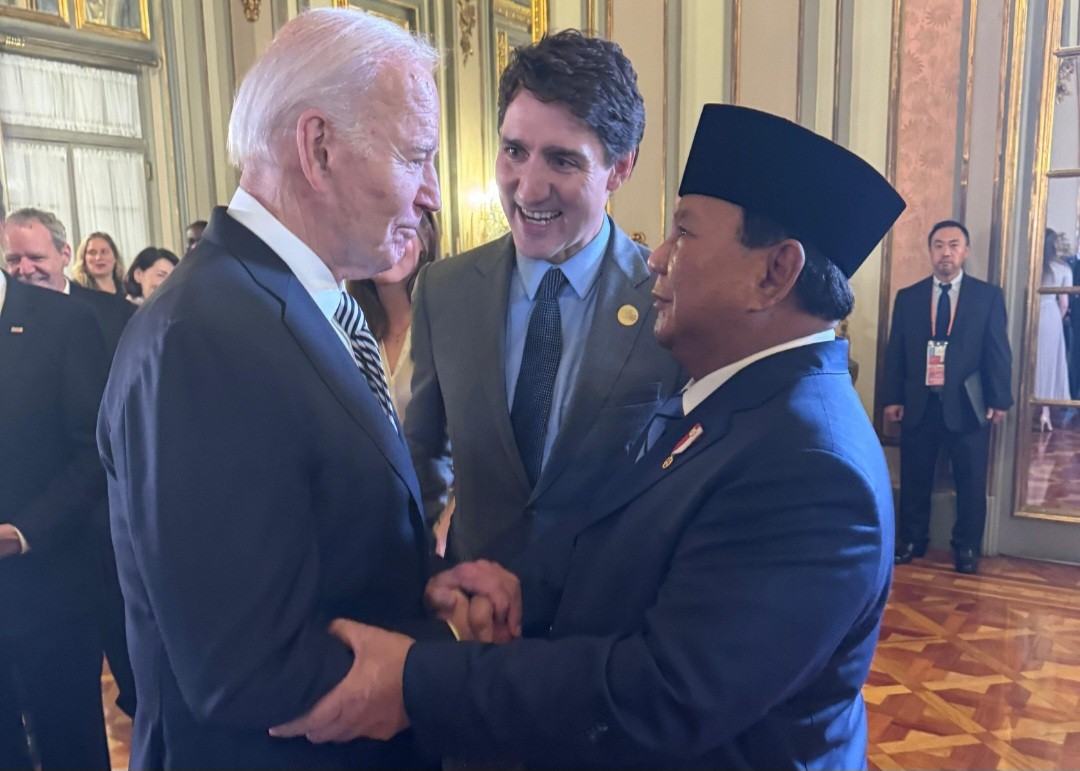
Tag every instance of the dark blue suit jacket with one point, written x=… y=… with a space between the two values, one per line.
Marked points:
x=53 y=366
x=721 y=612
x=978 y=346
x=257 y=491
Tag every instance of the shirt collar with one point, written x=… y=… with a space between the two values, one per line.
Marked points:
x=311 y=271
x=3 y=288
x=697 y=391
x=954 y=284
x=581 y=270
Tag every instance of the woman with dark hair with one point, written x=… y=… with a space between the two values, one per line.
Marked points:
x=150 y=267
x=1051 y=366
x=386 y=300
x=98 y=265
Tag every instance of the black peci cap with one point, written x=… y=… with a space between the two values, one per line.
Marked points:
x=825 y=196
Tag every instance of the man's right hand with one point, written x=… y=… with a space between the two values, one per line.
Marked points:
x=894 y=413
x=494 y=595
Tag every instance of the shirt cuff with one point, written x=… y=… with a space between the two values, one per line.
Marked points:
x=24 y=547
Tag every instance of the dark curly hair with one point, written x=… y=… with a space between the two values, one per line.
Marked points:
x=592 y=77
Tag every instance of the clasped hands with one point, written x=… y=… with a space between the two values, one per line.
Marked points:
x=480 y=601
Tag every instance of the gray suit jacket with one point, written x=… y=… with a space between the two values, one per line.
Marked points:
x=459 y=398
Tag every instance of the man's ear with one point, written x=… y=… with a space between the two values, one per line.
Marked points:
x=783 y=264
x=313 y=147
x=65 y=255
x=620 y=171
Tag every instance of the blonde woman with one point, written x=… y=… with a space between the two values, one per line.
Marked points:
x=98 y=265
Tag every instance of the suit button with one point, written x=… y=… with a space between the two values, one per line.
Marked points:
x=597 y=732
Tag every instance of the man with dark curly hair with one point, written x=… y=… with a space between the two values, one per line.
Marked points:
x=533 y=358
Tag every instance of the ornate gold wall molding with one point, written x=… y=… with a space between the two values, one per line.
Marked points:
x=251 y=9
x=97 y=16
x=466 y=26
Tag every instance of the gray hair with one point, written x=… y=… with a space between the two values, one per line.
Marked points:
x=327 y=59
x=28 y=216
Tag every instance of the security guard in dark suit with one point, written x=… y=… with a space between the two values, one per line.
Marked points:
x=947 y=379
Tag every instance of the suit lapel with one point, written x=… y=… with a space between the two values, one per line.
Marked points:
x=967 y=303
x=497 y=268
x=16 y=317
x=317 y=340
x=607 y=348
x=749 y=389
x=923 y=298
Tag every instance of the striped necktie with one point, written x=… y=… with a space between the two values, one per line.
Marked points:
x=365 y=351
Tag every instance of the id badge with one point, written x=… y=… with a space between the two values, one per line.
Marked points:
x=935 y=363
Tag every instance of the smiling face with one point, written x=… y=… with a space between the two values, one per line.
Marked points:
x=151 y=278
x=32 y=256
x=379 y=196
x=99 y=258
x=552 y=178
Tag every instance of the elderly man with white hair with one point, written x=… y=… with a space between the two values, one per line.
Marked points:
x=258 y=480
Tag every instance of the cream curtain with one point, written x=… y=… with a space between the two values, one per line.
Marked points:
x=111 y=196
x=37 y=175
x=57 y=95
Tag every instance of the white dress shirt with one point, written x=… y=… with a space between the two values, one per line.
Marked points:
x=309 y=270
x=697 y=391
x=954 y=295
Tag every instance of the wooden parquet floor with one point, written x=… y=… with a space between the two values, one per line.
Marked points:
x=976 y=672
x=971 y=672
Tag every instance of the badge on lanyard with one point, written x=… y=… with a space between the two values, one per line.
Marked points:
x=935 y=363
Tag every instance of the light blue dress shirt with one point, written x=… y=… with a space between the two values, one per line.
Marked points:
x=576 y=305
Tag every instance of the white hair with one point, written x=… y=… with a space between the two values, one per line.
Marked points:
x=327 y=59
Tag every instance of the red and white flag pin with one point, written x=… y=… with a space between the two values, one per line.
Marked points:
x=684 y=444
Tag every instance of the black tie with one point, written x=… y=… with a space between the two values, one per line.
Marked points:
x=944 y=314
x=536 y=379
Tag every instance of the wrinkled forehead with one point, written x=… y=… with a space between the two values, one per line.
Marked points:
x=30 y=237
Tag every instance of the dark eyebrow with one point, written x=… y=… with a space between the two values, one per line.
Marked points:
x=563 y=152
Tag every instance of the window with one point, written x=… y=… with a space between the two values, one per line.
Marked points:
x=73 y=144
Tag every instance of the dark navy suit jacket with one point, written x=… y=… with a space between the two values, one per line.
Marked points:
x=53 y=366
x=978 y=346
x=257 y=491
x=721 y=612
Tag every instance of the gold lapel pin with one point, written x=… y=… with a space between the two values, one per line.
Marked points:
x=16 y=330
x=628 y=315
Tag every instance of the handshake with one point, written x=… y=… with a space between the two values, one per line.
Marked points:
x=480 y=601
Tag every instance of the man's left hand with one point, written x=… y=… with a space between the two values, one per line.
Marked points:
x=10 y=545
x=369 y=701
x=997 y=417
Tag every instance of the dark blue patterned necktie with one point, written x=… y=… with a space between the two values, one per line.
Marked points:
x=669 y=412
x=536 y=379
x=944 y=314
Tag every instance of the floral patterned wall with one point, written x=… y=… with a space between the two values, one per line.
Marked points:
x=927 y=126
